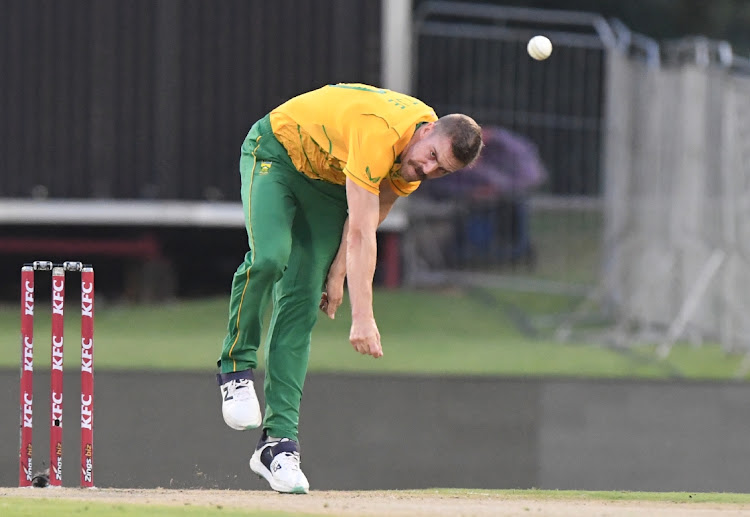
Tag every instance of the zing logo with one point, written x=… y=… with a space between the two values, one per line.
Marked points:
x=88 y=468
x=27 y=469
x=57 y=470
x=265 y=167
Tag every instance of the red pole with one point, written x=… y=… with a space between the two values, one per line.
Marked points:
x=392 y=259
x=25 y=472
x=87 y=377
x=56 y=376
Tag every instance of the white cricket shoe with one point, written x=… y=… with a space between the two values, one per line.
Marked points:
x=239 y=406
x=279 y=463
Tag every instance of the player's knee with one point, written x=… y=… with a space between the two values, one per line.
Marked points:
x=302 y=307
x=271 y=265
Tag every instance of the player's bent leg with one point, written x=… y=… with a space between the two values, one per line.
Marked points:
x=239 y=406
x=316 y=238
x=269 y=239
x=278 y=462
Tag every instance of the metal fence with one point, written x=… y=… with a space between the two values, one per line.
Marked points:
x=678 y=184
x=150 y=99
x=472 y=58
x=646 y=205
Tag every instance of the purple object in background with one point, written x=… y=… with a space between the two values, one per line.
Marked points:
x=509 y=166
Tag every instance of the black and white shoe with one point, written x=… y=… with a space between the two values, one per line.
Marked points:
x=279 y=463
x=239 y=406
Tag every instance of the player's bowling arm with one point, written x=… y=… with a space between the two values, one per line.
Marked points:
x=361 y=248
x=361 y=256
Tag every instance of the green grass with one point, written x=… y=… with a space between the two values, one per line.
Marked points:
x=424 y=332
x=20 y=507
x=614 y=495
x=568 y=245
x=59 y=506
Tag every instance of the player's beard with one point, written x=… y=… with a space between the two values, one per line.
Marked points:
x=418 y=172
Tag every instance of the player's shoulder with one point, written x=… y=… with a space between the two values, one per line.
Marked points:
x=398 y=99
x=357 y=87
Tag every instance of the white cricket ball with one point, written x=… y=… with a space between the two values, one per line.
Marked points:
x=539 y=47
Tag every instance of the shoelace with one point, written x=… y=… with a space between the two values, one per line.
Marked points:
x=244 y=392
x=288 y=460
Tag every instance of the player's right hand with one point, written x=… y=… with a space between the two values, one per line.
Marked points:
x=365 y=337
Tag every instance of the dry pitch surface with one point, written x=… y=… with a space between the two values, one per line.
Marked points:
x=390 y=503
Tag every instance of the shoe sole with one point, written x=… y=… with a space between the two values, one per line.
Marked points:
x=237 y=427
x=257 y=466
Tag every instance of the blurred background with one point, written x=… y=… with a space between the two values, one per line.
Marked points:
x=603 y=234
x=615 y=170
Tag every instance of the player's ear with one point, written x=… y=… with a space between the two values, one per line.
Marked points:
x=426 y=129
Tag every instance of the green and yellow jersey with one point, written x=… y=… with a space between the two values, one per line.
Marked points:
x=351 y=130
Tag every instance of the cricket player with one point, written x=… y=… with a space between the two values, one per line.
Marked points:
x=319 y=174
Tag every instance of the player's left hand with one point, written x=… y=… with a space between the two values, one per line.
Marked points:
x=332 y=297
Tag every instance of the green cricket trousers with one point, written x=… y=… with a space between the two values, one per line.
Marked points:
x=294 y=226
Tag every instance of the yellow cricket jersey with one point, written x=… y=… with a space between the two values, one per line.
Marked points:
x=350 y=130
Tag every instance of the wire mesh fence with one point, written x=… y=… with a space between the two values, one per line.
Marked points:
x=472 y=58
x=678 y=173
x=644 y=212
x=639 y=201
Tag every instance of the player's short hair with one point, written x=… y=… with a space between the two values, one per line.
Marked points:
x=465 y=134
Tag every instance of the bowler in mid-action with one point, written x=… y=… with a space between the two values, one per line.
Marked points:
x=319 y=174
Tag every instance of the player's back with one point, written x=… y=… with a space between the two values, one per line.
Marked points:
x=332 y=109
